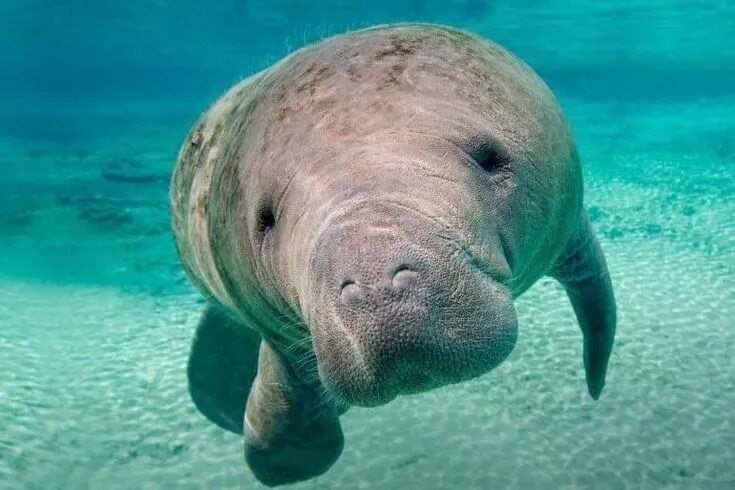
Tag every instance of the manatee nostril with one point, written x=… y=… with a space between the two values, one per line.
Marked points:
x=351 y=293
x=404 y=278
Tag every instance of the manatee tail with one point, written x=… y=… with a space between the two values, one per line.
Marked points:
x=222 y=366
x=582 y=270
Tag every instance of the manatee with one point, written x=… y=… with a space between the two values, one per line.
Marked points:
x=360 y=217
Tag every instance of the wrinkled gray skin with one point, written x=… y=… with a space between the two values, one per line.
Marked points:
x=361 y=216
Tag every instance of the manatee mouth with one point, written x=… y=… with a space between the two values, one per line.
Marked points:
x=455 y=324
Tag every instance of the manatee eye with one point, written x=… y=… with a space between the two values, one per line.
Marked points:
x=491 y=158
x=266 y=220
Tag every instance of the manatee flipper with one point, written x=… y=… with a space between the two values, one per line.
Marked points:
x=582 y=270
x=292 y=432
x=222 y=366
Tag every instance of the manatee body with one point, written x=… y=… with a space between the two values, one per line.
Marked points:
x=361 y=216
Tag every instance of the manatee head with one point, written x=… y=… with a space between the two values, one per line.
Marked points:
x=407 y=184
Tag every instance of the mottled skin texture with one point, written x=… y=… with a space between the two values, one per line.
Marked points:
x=369 y=207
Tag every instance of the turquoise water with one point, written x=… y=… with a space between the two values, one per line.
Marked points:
x=96 y=315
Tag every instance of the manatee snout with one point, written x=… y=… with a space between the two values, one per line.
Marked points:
x=401 y=308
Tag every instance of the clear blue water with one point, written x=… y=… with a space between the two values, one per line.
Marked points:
x=96 y=315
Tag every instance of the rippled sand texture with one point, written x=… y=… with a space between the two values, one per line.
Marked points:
x=96 y=319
